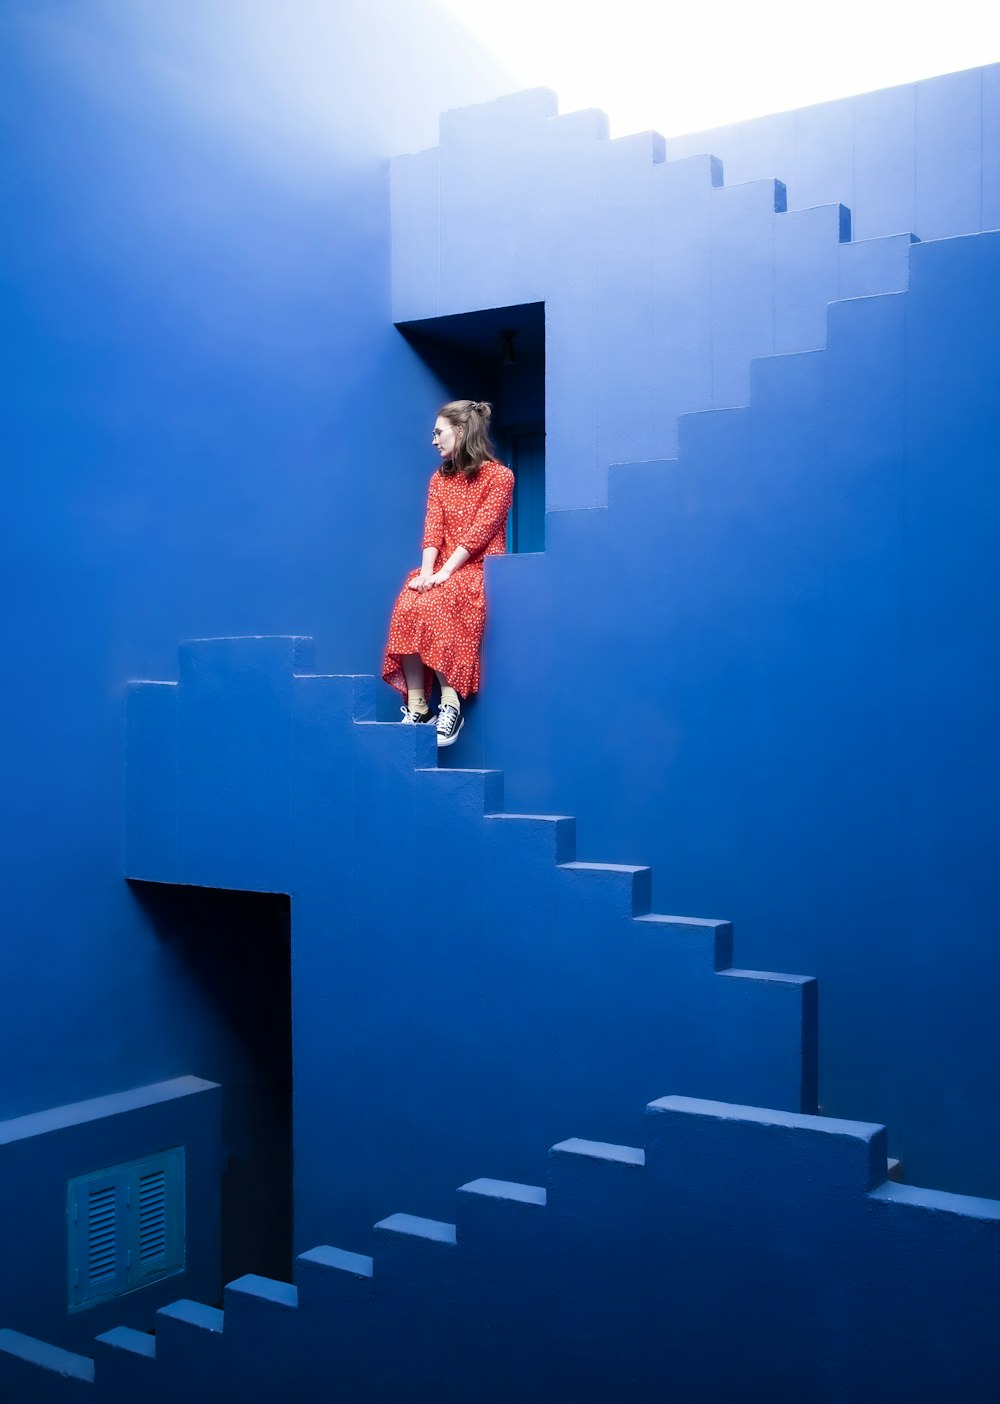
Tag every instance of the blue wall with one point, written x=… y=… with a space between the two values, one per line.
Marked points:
x=213 y=429
x=203 y=399
x=464 y=991
x=762 y=657
x=922 y=157
x=803 y=609
x=42 y=1152
x=731 y=1254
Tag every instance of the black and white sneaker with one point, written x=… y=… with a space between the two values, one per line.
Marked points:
x=415 y=718
x=450 y=723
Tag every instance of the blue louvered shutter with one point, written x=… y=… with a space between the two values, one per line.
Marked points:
x=126 y=1227
x=156 y=1237
x=98 y=1252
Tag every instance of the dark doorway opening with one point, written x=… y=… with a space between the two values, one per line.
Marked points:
x=499 y=355
x=235 y=948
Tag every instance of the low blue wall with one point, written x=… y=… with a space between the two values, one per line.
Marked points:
x=41 y=1153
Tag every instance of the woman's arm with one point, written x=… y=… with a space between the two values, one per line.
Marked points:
x=426 y=578
x=491 y=512
x=434 y=521
x=457 y=558
x=489 y=518
x=433 y=537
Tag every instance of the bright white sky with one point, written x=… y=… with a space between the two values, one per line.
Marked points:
x=681 y=67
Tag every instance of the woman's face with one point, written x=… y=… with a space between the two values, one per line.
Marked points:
x=446 y=437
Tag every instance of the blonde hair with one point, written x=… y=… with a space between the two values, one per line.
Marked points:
x=474 y=447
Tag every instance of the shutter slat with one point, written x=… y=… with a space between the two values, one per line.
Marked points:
x=152 y=1215
x=102 y=1235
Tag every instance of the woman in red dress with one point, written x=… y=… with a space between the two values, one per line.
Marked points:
x=437 y=621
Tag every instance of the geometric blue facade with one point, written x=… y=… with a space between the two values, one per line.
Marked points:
x=801 y=612
x=921 y=157
x=608 y=1278
x=565 y=1001
x=765 y=593
x=194 y=304
x=756 y=661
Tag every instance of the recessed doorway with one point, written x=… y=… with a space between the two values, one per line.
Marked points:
x=234 y=951
x=498 y=355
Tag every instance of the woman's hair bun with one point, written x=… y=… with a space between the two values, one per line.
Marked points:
x=481 y=408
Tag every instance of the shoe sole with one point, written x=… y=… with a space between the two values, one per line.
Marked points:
x=450 y=740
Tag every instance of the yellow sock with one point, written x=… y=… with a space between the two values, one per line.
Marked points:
x=449 y=697
x=415 y=699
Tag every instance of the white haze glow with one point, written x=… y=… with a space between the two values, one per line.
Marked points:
x=684 y=67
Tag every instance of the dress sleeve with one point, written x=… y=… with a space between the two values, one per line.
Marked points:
x=491 y=514
x=434 y=523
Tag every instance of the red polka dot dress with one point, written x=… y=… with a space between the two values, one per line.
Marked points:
x=444 y=625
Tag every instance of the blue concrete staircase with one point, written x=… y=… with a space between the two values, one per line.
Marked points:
x=661 y=283
x=774 y=604
x=597 y=1285
x=492 y=992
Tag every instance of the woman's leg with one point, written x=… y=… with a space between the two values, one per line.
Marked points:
x=450 y=719
x=413 y=672
x=448 y=694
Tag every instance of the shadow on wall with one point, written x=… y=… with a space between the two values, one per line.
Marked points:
x=235 y=948
x=498 y=354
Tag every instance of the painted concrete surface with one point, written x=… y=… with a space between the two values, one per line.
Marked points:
x=462 y=986
x=770 y=430
x=730 y=1255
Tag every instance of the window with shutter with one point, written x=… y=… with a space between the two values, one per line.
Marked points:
x=126 y=1227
